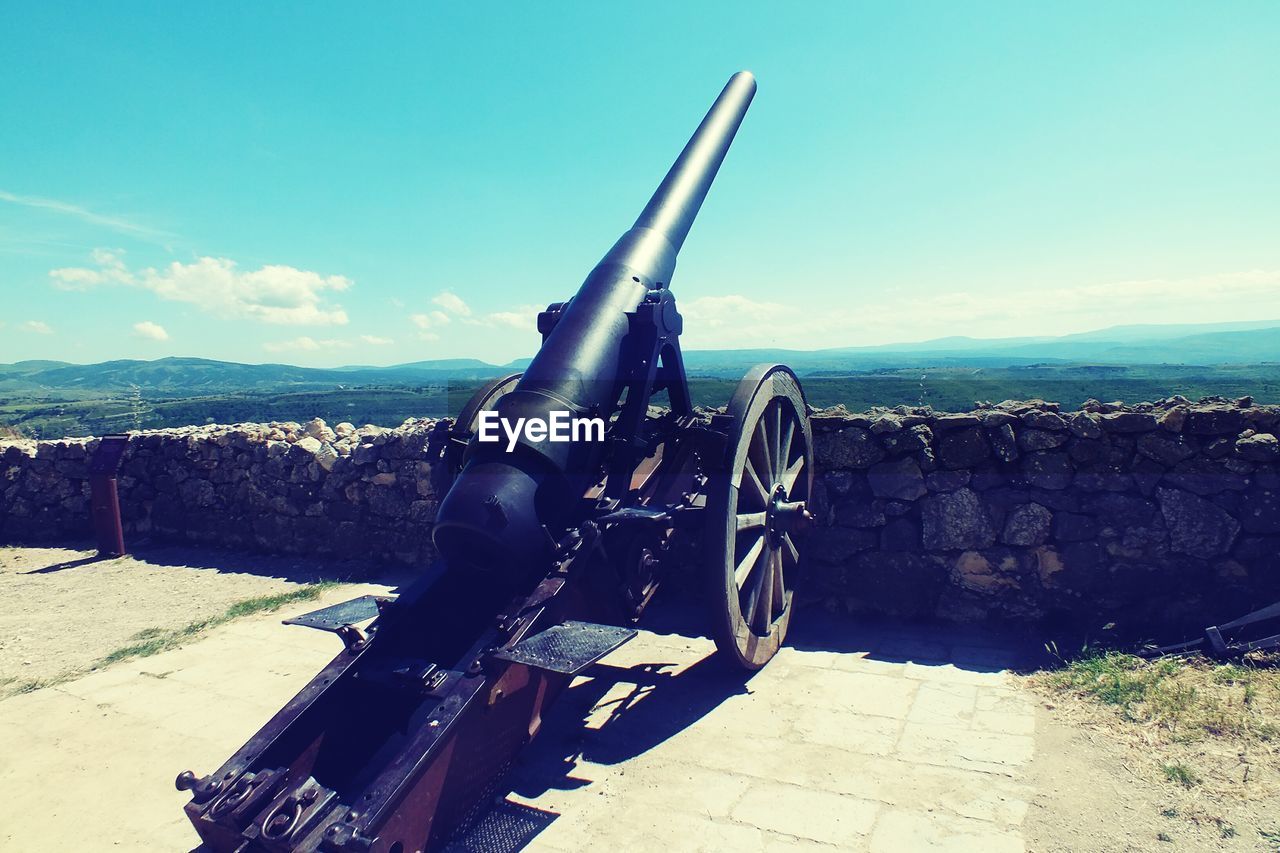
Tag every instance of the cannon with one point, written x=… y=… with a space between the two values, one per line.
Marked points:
x=550 y=551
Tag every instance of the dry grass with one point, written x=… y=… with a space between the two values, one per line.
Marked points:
x=155 y=640
x=1179 y=699
x=1195 y=723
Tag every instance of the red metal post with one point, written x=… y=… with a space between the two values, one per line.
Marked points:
x=104 y=500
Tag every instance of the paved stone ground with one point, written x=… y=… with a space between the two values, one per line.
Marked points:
x=883 y=738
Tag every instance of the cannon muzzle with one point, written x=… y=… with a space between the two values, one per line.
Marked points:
x=507 y=505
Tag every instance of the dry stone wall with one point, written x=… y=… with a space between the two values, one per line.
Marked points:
x=1149 y=515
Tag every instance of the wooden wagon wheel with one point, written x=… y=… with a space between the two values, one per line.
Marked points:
x=756 y=509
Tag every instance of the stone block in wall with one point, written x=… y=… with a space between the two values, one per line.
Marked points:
x=1260 y=509
x=963 y=448
x=1166 y=448
x=1027 y=525
x=900 y=479
x=1196 y=526
x=955 y=521
x=852 y=447
x=1124 y=422
x=1048 y=469
x=1260 y=447
x=1214 y=420
x=1040 y=439
x=1004 y=442
x=897 y=583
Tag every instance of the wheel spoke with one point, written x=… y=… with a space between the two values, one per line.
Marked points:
x=762 y=613
x=792 y=474
x=742 y=571
x=758 y=488
x=760 y=446
x=750 y=520
x=784 y=451
x=779 y=587
x=779 y=461
x=789 y=549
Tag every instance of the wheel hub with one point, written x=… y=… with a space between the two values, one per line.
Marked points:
x=783 y=516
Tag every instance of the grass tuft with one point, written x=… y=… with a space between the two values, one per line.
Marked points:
x=1190 y=699
x=151 y=641
x=1180 y=773
x=155 y=640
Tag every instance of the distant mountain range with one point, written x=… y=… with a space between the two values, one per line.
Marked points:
x=1197 y=344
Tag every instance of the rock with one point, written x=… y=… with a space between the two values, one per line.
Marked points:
x=886 y=423
x=956 y=520
x=1260 y=509
x=852 y=447
x=1004 y=443
x=1214 y=420
x=994 y=418
x=963 y=448
x=1085 y=425
x=1174 y=419
x=1047 y=469
x=309 y=444
x=900 y=534
x=1168 y=450
x=1027 y=525
x=973 y=571
x=326 y=456
x=908 y=440
x=1196 y=526
x=1261 y=447
x=1072 y=527
x=1044 y=420
x=344 y=429
x=1128 y=422
x=946 y=422
x=1038 y=439
x=317 y=428
x=859 y=514
x=900 y=479
x=836 y=544
x=946 y=481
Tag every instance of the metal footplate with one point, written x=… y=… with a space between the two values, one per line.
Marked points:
x=568 y=648
x=507 y=828
x=339 y=616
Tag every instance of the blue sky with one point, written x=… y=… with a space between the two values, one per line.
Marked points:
x=321 y=184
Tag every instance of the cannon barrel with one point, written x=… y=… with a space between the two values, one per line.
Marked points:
x=502 y=506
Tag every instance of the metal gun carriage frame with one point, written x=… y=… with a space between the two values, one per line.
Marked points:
x=548 y=559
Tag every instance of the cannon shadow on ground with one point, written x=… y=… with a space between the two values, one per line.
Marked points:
x=669 y=685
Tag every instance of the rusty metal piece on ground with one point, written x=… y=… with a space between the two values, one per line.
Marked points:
x=1235 y=644
x=104 y=499
x=549 y=553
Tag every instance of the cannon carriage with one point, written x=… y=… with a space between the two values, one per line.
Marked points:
x=550 y=552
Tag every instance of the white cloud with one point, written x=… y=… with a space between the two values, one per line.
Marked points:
x=115 y=223
x=148 y=329
x=376 y=341
x=38 y=327
x=736 y=321
x=429 y=320
x=524 y=318
x=275 y=293
x=300 y=344
x=452 y=303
